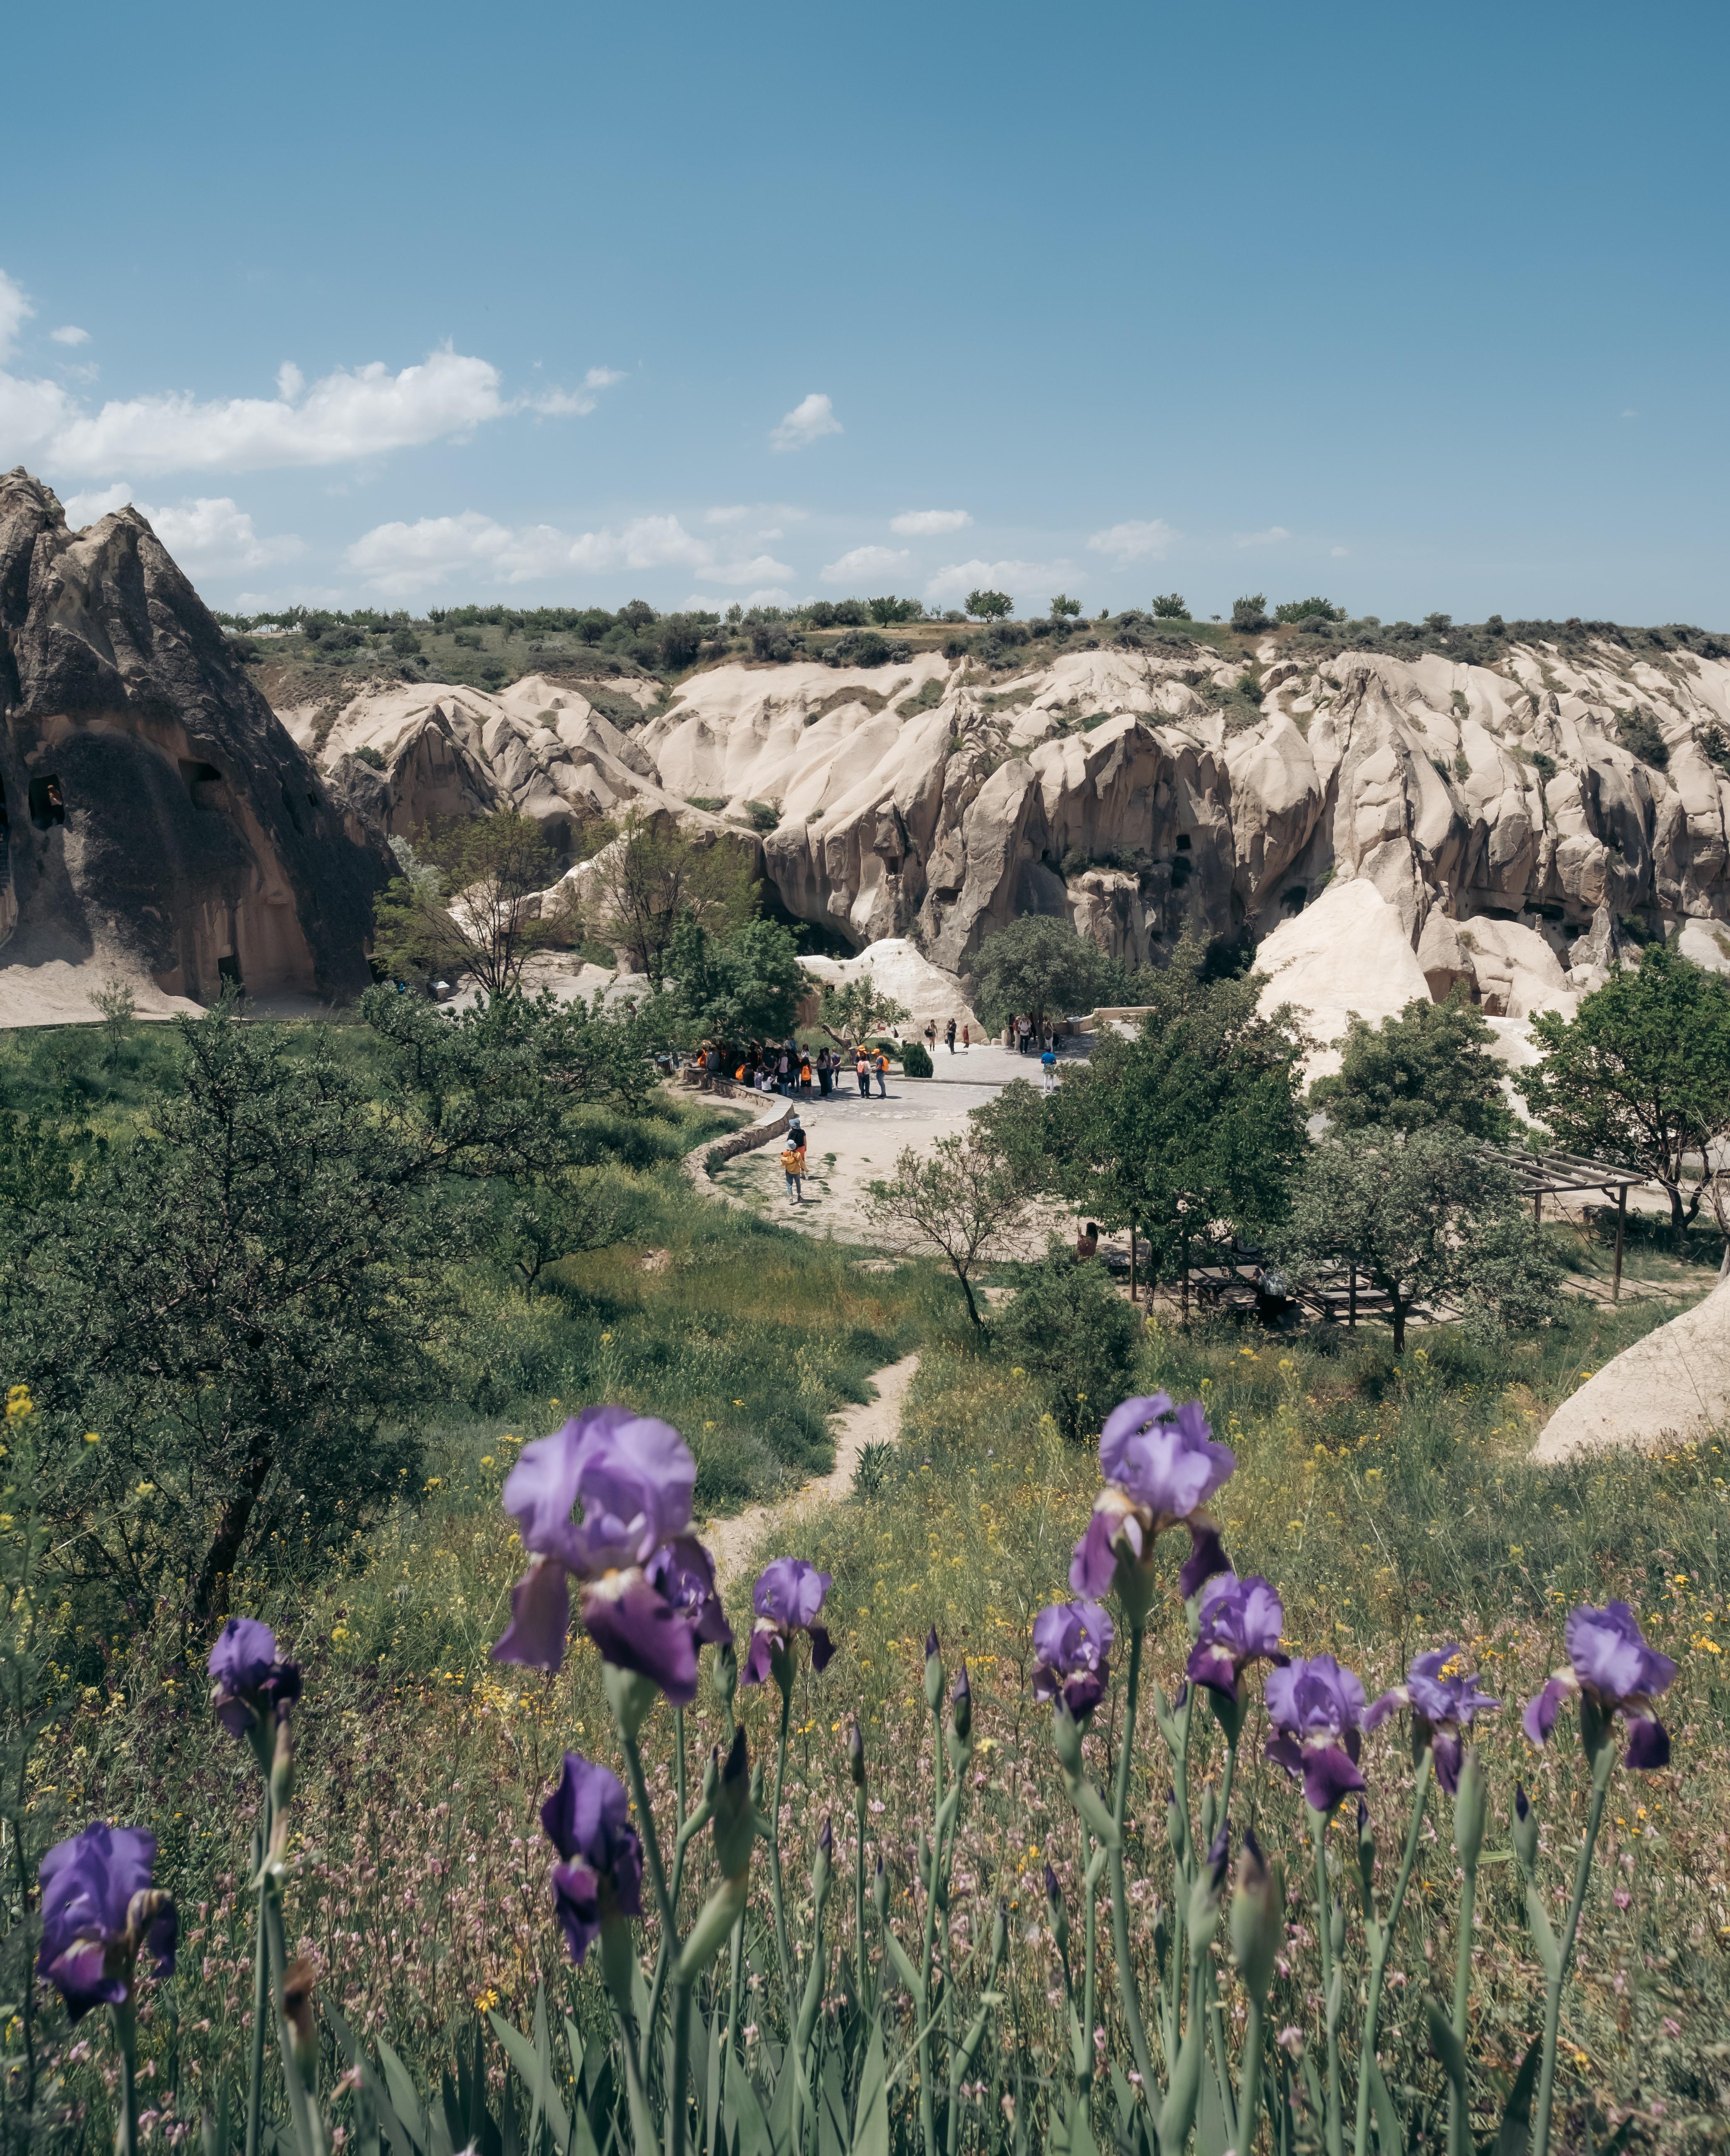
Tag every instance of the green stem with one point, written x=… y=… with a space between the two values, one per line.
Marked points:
x=1090 y=1888
x=261 y=1988
x=125 y=2039
x=1129 y=1998
x=774 y=1893
x=657 y=1876
x=1462 y=1991
x=681 y=2068
x=1324 y=1926
x=1381 y=1941
x=735 y=1972
x=303 y=2111
x=859 y=1904
x=1553 y=2004
x=1249 y=2080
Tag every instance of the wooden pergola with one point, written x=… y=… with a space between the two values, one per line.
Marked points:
x=1540 y=1175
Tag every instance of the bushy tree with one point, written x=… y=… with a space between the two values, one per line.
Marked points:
x=1065 y=608
x=1250 y=612
x=745 y=985
x=649 y=875
x=1642 y=1074
x=1193 y=1126
x=960 y=1199
x=1039 y=965
x=468 y=904
x=884 y=610
x=989 y=606
x=1431 y=1218
x=853 y=1010
x=1309 y=610
x=1171 y=606
x=1075 y=1336
x=1430 y=1065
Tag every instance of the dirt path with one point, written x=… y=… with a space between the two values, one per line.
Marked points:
x=731 y=1541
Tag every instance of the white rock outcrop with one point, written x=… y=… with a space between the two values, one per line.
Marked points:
x=1673 y=1387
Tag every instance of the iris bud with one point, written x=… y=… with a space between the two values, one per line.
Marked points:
x=822 y=1862
x=961 y=1703
x=880 y=1892
x=282 y=1764
x=1336 y=1928
x=1066 y=1736
x=1366 y=1854
x=296 y=2014
x=1162 y=1939
x=734 y=1824
x=631 y=1696
x=1257 y=1923
x=1210 y=1814
x=1471 y=1808
x=1000 y=1931
x=1060 y=1915
x=1524 y=1835
x=933 y=1670
x=855 y=1755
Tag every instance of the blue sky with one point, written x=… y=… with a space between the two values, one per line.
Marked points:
x=1420 y=308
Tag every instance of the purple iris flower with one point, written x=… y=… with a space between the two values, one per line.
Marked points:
x=1071 y=1643
x=587 y=1820
x=786 y=1598
x=1610 y=1663
x=251 y=1682
x=646 y=1586
x=98 y=1906
x=1444 y=1698
x=1160 y=1466
x=1316 y=1709
x=1240 y=1622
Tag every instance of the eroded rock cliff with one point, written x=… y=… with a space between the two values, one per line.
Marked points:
x=155 y=818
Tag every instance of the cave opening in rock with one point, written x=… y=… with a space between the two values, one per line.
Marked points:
x=229 y=973
x=201 y=780
x=47 y=804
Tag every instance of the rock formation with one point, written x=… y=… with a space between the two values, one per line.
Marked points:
x=156 y=823
x=1495 y=809
x=1672 y=1388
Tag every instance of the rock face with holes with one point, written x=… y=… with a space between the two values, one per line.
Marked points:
x=159 y=824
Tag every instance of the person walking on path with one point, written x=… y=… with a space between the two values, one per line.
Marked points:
x=949 y=1035
x=931 y=1036
x=1024 y=1029
x=966 y=1040
x=882 y=1072
x=862 y=1065
x=824 y=1073
x=792 y=1162
x=805 y=1071
x=1048 y=1068
x=781 y=1070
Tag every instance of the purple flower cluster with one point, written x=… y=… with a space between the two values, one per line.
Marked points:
x=646 y=1585
x=1240 y=1622
x=1161 y=1465
x=1610 y=1664
x=251 y=1685
x=1071 y=1644
x=1444 y=1699
x=587 y=1820
x=97 y=1908
x=1316 y=1710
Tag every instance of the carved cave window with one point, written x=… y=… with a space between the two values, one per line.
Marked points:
x=47 y=804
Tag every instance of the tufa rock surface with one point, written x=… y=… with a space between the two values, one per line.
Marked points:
x=158 y=823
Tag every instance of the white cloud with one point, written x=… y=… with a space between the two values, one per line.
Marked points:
x=929 y=523
x=1272 y=536
x=735 y=515
x=865 y=561
x=205 y=533
x=1339 y=553
x=15 y=310
x=560 y=404
x=401 y=557
x=810 y=419
x=1032 y=580
x=770 y=595
x=1146 y=540
x=69 y=333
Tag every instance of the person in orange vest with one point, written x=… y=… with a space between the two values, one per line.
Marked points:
x=792 y=1162
x=882 y=1067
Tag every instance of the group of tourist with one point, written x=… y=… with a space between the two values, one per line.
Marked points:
x=788 y=1067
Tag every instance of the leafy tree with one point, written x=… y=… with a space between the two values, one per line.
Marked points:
x=853 y=1010
x=989 y=606
x=958 y=1198
x=114 y=1006
x=743 y=986
x=1430 y=1065
x=1309 y=610
x=1250 y=613
x=884 y=610
x=1039 y=965
x=1075 y=1336
x=1642 y=1074
x=1194 y=1124
x=1432 y=1219
x=1170 y=606
x=649 y=875
x=469 y=903
x=578 y=1209
x=1064 y=607
x=681 y=640
x=405 y=644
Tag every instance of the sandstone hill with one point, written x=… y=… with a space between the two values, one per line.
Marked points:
x=156 y=822
x=1516 y=819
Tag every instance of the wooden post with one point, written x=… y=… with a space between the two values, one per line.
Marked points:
x=1537 y=1210
x=1615 y=1293
x=1352 y=1300
x=1132 y=1263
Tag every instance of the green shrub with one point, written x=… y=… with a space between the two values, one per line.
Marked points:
x=915 y=1063
x=1309 y=610
x=1171 y=606
x=1075 y=1336
x=1250 y=612
x=1638 y=732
